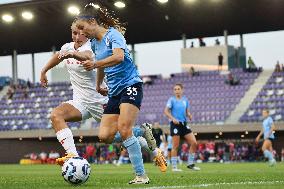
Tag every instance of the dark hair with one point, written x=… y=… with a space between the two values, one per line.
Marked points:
x=266 y=110
x=102 y=16
x=180 y=85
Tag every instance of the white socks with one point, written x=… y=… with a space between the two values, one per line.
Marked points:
x=65 y=137
x=155 y=152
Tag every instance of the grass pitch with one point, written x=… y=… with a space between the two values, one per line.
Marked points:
x=229 y=176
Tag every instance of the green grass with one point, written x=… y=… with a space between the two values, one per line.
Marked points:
x=234 y=175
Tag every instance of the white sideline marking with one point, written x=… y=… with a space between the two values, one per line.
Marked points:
x=213 y=184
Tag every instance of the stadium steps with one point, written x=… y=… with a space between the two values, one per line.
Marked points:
x=249 y=97
x=4 y=91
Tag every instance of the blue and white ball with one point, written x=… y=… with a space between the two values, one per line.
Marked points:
x=76 y=170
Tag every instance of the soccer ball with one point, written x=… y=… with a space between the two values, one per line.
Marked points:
x=76 y=170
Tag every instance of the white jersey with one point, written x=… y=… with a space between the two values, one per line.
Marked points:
x=83 y=82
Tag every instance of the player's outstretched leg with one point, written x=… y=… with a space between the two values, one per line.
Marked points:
x=267 y=151
x=190 y=139
x=159 y=158
x=270 y=157
x=58 y=117
x=145 y=132
x=127 y=117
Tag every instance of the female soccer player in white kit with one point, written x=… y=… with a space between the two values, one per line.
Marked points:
x=87 y=102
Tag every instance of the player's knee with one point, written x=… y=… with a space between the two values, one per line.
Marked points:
x=175 y=148
x=125 y=133
x=125 y=129
x=194 y=144
x=105 y=138
x=55 y=116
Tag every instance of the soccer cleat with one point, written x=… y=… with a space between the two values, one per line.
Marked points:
x=176 y=170
x=272 y=162
x=160 y=161
x=140 y=180
x=148 y=135
x=193 y=167
x=60 y=161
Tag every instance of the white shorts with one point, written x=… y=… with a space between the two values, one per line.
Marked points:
x=89 y=110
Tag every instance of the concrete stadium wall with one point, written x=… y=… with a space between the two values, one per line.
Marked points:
x=233 y=57
x=12 y=150
x=228 y=128
x=195 y=57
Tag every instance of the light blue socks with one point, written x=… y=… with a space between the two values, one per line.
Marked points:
x=268 y=155
x=190 y=159
x=135 y=155
x=174 y=162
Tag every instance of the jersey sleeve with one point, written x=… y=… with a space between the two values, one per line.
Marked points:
x=117 y=40
x=187 y=104
x=169 y=103
x=65 y=48
x=270 y=121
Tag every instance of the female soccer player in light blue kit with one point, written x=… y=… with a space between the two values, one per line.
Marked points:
x=86 y=102
x=177 y=110
x=268 y=129
x=124 y=84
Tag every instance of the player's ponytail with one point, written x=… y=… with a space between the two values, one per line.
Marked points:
x=102 y=16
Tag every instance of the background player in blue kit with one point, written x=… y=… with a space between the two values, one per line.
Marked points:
x=124 y=84
x=177 y=110
x=268 y=129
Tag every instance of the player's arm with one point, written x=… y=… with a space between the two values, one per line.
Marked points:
x=272 y=129
x=189 y=115
x=81 y=56
x=100 y=77
x=258 y=136
x=116 y=58
x=53 y=61
x=118 y=45
x=167 y=112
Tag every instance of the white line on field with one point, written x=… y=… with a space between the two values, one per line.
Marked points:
x=214 y=184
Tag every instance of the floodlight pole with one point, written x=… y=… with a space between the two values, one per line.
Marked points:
x=15 y=67
x=33 y=67
x=183 y=36
x=226 y=37
x=241 y=40
x=53 y=49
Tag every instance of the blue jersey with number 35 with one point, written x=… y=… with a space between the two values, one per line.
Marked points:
x=123 y=74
